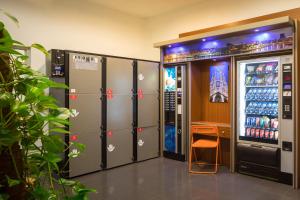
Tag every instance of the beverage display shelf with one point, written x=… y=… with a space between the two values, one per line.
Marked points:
x=261 y=73
x=257 y=114
x=261 y=86
x=258 y=127
x=261 y=101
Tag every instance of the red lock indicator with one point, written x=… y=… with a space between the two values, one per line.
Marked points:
x=139 y=130
x=74 y=137
x=109 y=93
x=140 y=94
x=109 y=133
x=73 y=97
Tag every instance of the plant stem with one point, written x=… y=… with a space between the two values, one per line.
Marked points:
x=50 y=176
x=14 y=163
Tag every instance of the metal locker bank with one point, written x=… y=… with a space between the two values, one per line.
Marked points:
x=115 y=106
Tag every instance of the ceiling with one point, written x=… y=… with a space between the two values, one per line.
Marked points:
x=145 y=8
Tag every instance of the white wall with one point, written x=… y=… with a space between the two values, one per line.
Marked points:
x=85 y=26
x=209 y=13
x=75 y=25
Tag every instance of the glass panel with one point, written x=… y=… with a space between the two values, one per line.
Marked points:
x=259 y=102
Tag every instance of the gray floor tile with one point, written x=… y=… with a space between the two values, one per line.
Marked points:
x=164 y=179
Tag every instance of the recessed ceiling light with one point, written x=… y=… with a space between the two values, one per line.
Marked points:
x=256 y=30
x=203 y=40
x=169 y=46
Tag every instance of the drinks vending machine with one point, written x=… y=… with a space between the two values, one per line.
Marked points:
x=174 y=140
x=265 y=132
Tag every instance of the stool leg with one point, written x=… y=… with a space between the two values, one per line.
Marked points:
x=190 y=158
x=217 y=152
x=196 y=158
x=220 y=150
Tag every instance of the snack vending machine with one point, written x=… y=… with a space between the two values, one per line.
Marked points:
x=174 y=141
x=265 y=120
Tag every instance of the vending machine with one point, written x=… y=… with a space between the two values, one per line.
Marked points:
x=174 y=140
x=265 y=127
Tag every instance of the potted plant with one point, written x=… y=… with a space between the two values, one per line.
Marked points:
x=30 y=124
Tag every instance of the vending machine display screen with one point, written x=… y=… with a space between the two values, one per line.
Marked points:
x=170 y=79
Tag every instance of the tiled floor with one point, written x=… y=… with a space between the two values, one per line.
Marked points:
x=160 y=179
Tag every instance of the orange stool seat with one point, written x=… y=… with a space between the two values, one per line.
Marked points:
x=205 y=144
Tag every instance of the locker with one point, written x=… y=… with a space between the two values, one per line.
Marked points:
x=119 y=112
x=119 y=147
x=84 y=73
x=148 y=77
x=119 y=76
x=89 y=160
x=148 y=110
x=147 y=143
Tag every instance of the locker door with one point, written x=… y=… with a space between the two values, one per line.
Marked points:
x=148 y=110
x=84 y=100
x=119 y=76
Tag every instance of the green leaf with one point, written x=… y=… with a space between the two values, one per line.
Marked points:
x=12 y=182
x=13 y=18
x=52 y=157
x=8 y=137
x=53 y=144
x=21 y=108
x=4 y=196
x=1 y=26
x=66 y=182
x=41 y=193
x=58 y=130
x=40 y=48
x=9 y=50
x=5 y=99
x=79 y=146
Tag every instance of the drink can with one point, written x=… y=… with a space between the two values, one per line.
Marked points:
x=271 y=135
x=267 y=134
x=257 y=133
x=262 y=133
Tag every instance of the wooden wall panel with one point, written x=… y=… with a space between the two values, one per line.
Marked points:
x=293 y=13
x=201 y=108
